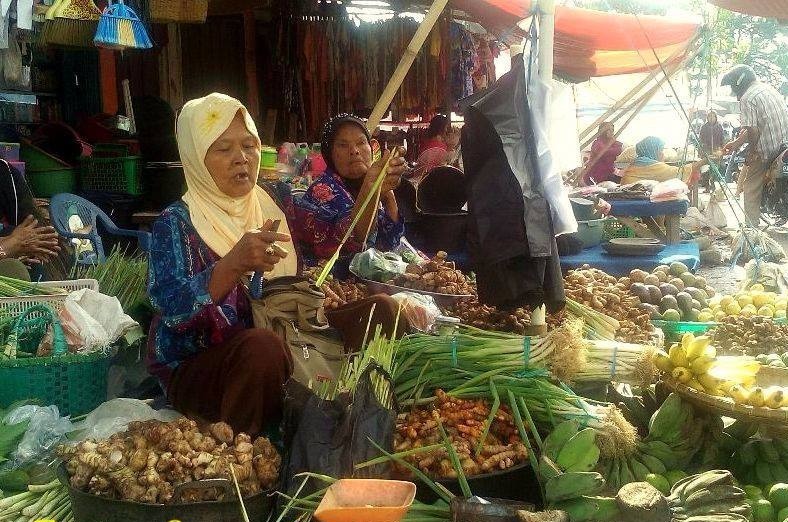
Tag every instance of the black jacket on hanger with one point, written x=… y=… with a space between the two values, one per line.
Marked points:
x=16 y=200
x=510 y=234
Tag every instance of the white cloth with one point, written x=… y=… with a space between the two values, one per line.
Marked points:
x=539 y=101
x=24 y=14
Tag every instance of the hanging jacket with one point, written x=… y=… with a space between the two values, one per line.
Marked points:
x=511 y=241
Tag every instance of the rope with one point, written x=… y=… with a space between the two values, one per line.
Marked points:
x=526 y=350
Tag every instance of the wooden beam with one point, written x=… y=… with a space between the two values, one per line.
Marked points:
x=250 y=56
x=109 y=81
x=170 y=70
x=234 y=7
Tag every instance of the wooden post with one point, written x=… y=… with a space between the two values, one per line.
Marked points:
x=404 y=65
x=109 y=81
x=546 y=39
x=250 y=57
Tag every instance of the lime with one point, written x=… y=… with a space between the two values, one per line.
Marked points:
x=762 y=511
x=778 y=496
x=753 y=492
x=659 y=482
x=674 y=476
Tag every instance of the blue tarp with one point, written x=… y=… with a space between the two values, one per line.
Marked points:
x=596 y=257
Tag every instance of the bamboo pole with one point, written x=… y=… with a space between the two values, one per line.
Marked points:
x=404 y=65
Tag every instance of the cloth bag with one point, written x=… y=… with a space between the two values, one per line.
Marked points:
x=292 y=308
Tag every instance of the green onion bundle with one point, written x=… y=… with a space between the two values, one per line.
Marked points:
x=10 y=287
x=45 y=502
x=617 y=361
x=596 y=324
x=378 y=354
x=120 y=276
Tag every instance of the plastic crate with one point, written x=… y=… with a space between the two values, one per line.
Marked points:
x=112 y=174
x=48 y=182
x=673 y=330
x=17 y=305
x=76 y=384
x=616 y=229
x=38 y=159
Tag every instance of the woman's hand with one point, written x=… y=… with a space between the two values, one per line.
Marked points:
x=397 y=168
x=31 y=241
x=256 y=251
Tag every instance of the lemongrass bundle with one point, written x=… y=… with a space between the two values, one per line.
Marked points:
x=10 y=287
x=121 y=276
x=617 y=361
x=597 y=325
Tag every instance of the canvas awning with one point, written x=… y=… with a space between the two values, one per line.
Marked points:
x=766 y=8
x=593 y=43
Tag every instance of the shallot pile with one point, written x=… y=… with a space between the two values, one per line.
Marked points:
x=464 y=422
x=437 y=275
x=606 y=294
x=146 y=462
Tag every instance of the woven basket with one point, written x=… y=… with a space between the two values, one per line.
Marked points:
x=726 y=407
x=181 y=11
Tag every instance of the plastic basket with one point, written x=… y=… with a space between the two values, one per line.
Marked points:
x=16 y=305
x=616 y=229
x=673 y=330
x=38 y=159
x=46 y=183
x=118 y=174
x=76 y=384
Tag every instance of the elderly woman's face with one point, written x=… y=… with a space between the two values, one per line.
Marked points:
x=234 y=158
x=351 y=153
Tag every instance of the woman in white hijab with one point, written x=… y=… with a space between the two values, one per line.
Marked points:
x=212 y=363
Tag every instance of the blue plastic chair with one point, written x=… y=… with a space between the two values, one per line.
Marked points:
x=63 y=206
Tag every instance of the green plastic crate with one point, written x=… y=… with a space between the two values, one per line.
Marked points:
x=615 y=229
x=76 y=384
x=37 y=159
x=48 y=182
x=119 y=174
x=673 y=330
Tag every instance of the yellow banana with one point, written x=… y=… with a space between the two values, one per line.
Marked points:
x=678 y=356
x=662 y=361
x=774 y=397
x=695 y=385
x=701 y=365
x=686 y=340
x=739 y=394
x=683 y=375
x=757 y=399
x=697 y=346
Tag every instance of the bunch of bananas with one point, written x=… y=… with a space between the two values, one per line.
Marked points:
x=709 y=497
x=761 y=461
x=694 y=363
x=674 y=437
x=568 y=456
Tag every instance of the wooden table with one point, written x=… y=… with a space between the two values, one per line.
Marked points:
x=639 y=216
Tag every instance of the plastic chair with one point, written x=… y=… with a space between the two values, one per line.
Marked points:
x=63 y=206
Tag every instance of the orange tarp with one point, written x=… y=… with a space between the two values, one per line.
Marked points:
x=766 y=8
x=593 y=43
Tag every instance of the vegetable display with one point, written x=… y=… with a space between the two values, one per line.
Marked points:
x=338 y=293
x=40 y=502
x=437 y=275
x=755 y=336
x=483 y=439
x=761 y=460
x=672 y=293
x=748 y=303
x=694 y=363
x=146 y=462
x=120 y=276
x=473 y=313
x=604 y=293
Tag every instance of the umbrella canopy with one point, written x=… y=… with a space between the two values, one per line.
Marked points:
x=766 y=8
x=593 y=43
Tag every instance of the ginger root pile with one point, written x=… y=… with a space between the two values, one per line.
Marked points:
x=338 y=293
x=146 y=462
x=437 y=275
x=464 y=422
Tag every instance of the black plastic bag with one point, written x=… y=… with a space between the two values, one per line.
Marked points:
x=331 y=437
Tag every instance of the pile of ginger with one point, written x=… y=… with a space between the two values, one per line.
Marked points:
x=147 y=461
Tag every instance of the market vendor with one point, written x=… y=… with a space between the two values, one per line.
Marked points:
x=440 y=147
x=650 y=165
x=601 y=166
x=213 y=364
x=324 y=214
x=24 y=243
